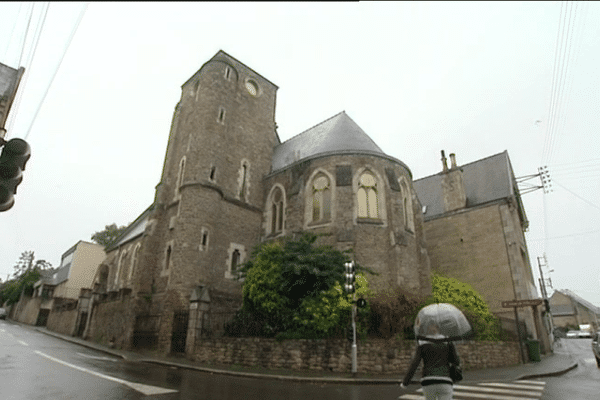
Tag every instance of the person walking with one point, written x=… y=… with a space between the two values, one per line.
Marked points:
x=437 y=357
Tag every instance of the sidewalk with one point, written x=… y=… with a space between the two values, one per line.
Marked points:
x=550 y=365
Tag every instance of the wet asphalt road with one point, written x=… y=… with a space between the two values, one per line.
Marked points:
x=583 y=382
x=36 y=366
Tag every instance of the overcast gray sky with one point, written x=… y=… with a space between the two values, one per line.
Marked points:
x=470 y=78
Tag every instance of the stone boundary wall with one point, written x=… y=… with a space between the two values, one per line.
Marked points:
x=111 y=323
x=62 y=321
x=377 y=356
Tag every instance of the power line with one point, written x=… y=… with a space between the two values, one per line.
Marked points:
x=564 y=236
x=36 y=39
x=552 y=88
x=26 y=34
x=57 y=68
x=12 y=32
x=576 y=195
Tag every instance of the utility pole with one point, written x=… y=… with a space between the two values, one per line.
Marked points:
x=545 y=293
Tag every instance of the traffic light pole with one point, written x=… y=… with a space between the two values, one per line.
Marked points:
x=354 y=348
x=349 y=287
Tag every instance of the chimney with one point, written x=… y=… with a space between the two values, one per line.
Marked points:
x=452 y=161
x=444 y=163
x=453 y=188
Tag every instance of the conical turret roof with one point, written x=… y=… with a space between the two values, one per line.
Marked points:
x=338 y=134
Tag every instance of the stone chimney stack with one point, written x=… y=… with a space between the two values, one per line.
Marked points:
x=453 y=187
x=444 y=162
x=452 y=161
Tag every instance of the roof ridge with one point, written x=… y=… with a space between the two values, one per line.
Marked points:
x=469 y=163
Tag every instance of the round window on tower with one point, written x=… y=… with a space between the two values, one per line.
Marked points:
x=252 y=87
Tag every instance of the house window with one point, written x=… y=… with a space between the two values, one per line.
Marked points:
x=227 y=72
x=213 y=171
x=367 y=196
x=321 y=198
x=180 y=177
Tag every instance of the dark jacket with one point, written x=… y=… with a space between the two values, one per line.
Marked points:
x=436 y=357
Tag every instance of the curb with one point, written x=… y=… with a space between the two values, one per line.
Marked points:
x=356 y=381
x=548 y=374
x=89 y=346
x=290 y=378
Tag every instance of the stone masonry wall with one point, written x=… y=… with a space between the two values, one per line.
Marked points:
x=62 y=321
x=112 y=320
x=377 y=356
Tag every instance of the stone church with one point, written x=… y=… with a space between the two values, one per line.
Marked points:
x=228 y=183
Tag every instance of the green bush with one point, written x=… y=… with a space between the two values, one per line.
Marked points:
x=486 y=326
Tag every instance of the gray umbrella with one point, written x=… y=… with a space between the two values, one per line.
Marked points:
x=442 y=322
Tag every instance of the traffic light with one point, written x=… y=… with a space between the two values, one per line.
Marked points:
x=14 y=156
x=350 y=277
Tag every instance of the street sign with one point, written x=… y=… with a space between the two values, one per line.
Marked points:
x=522 y=303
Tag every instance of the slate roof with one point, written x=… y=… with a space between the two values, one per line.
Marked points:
x=61 y=275
x=579 y=300
x=562 y=310
x=338 y=134
x=135 y=229
x=485 y=181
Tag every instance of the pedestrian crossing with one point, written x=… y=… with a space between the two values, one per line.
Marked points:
x=517 y=390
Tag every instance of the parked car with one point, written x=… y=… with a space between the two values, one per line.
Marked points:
x=596 y=347
x=572 y=334
x=2 y=313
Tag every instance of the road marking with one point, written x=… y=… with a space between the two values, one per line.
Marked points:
x=519 y=390
x=514 y=386
x=98 y=358
x=540 y=383
x=145 y=389
x=487 y=396
x=494 y=390
x=22 y=342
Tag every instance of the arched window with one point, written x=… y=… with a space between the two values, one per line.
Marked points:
x=235 y=261
x=407 y=206
x=243 y=181
x=134 y=258
x=321 y=198
x=367 y=196
x=168 y=257
x=119 y=265
x=180 y=177
x=277 y=210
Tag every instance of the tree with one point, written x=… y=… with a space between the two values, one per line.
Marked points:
x=292 y=289
x=27 y=262
x=107 y=236
x=27 y=272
